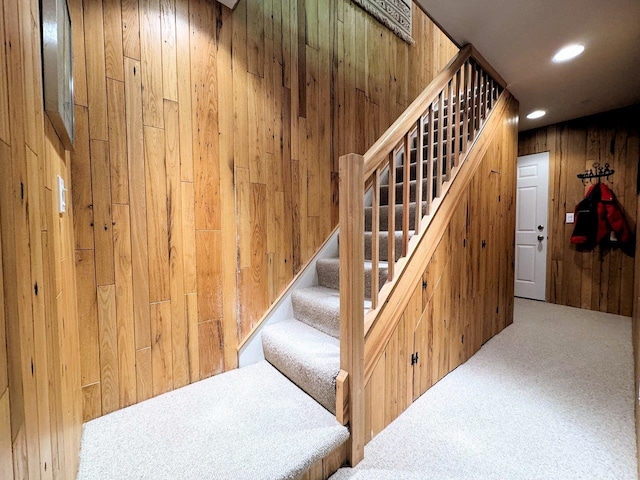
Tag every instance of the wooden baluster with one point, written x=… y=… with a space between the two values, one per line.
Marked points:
x=419 y=173
x=456 y=126
x=473 y=102
x=482 y=99
x=440 y=155
x=450 y=116
x=351 y=191
x=406 y=187
x=485 y=104
x=465 y=109
x=375 y=241
x=391 y=210
x=430 y=129
x=478 y=112
x=491 y=93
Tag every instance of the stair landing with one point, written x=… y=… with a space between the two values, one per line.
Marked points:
x=250 y=423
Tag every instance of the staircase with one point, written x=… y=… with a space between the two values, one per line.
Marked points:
x=306 y=347
x=388 y=199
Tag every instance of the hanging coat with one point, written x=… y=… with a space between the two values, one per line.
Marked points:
x=596 y=217
x=613 y=216
x=586 y=221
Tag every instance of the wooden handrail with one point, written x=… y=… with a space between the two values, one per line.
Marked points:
x=376 y=155
x=377 y=334
x=445 y=121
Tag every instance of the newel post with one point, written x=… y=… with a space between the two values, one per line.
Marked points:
x=352 y=298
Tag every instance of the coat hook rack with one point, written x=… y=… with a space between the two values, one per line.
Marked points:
x=596 y=172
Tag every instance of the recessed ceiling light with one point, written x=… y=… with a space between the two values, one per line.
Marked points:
x=536 y=114
x=568 y=52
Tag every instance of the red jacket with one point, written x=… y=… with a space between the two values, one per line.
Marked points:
x=597 y=216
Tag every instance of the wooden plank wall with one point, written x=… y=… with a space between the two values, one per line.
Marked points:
x=598 y=280
x=635 y=323
x=636 y=297
x=205 y=173
x=465 y=296
x=636 y=344
x=40 y=396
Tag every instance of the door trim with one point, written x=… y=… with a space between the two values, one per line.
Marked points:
x=548 y=212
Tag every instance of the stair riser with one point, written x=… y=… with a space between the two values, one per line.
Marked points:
x=307 y=359
x=331 y=279
x=383 y=246
x=384 y=217
x=327 y=320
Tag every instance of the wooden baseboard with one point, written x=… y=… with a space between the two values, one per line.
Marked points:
x=327 y=466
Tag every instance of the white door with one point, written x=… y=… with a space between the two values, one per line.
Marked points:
x=531 y=226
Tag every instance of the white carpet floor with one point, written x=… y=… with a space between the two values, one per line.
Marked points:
x=551 y=397
x=249 y=424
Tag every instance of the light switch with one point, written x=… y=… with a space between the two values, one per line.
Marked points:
x=569 y=218
x=62 y=195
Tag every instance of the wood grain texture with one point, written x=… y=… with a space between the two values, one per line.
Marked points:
x=108 y=334
x=81 y=192
x=138 y=203
x=40 y=376
x=221 y=142
x=601 y=280
x=6 y=460
x=454 y=300
x=635 y=323
x=151 y=62
x=326 y=466
x=125 y=323
x=102 y=221
x=95 y=72
x=117 y=141
x=113 y=50
x=352 y=299
x=157 y=219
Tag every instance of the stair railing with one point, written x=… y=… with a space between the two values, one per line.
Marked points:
x=440 y=126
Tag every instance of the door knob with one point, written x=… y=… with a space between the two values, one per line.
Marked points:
x=540 y=238
x=540 y=227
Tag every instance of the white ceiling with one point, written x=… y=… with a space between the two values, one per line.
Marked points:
x=519 y=37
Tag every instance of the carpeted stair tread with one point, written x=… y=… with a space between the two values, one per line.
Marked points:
x=251 y=423
x=305 y=355
x=384 y=216
x=329 y=274
x=319 y=307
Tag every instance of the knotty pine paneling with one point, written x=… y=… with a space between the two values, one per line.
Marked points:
x=636 y=340
x=40 y=395
x=208 y=142
x=635 y=322
x=465 y=295
x=598 y=280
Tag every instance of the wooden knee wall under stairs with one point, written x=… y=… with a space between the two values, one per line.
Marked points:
x=464 y=295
